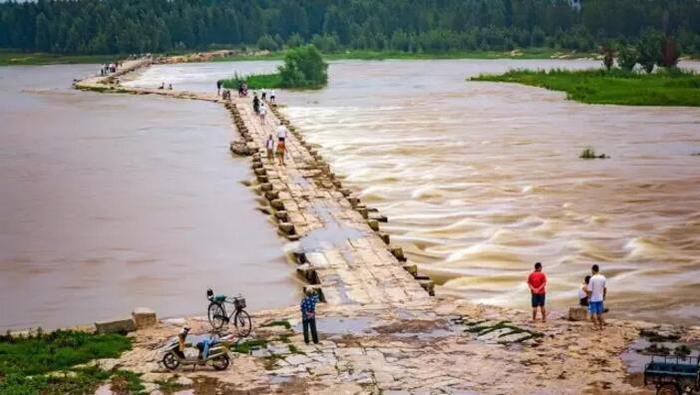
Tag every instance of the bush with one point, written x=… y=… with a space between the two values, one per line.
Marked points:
x=268 y=43
x=608 y=56
x=303 y=68
x=295 y=40
x=589 y=153
x=650 y=50
x=627 y=58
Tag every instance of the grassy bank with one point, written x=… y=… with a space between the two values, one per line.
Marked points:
x=45 y=363
x=12 y=58
x=664 y=88
x=530 y=53
x=258 y=81
x=24 y=59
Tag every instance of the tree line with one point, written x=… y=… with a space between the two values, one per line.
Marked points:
x=137 y=26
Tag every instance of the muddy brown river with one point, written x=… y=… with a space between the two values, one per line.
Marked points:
x=479 y=181
x=109 y=202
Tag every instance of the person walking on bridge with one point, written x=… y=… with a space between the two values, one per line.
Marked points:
x=219 y=84
x=537 y=282
x=308 y=315
x=256 y=103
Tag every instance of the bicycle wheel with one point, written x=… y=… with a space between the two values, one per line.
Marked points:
x=217 y=315
x=243 y=323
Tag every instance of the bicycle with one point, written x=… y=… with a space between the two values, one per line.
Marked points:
x=218 y=317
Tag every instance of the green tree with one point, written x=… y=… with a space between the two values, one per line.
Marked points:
x=627 y=57
x=303 y=67
x=268 y=43
x=669 y=53
x=650 y=50
x=42 y=39
x=295 y=40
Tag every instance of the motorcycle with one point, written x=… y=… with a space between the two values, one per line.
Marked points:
x=216 y=355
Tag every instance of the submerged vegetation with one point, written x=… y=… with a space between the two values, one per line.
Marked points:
x=672 y=87
x=303 y=68
x=45 y=363
x=589 y=153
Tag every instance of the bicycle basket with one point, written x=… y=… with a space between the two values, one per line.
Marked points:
x=239 y=303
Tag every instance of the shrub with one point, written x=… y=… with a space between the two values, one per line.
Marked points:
x=268 y=43
x=303 y=68
x=650 y=50
x=589 y=153
x=627 y=57
x=295 y=40
x=608 y=56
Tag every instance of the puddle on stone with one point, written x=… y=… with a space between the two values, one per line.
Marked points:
x=341 y=325
x=334 y=234
x=274 y=379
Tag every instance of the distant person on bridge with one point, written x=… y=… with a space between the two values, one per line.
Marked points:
x=262 y=112
x=256 y=103
x=270 y=146
x=308 y=315
x=272 y=96
x=537 y=282
x=219 y=84
x=597 y=291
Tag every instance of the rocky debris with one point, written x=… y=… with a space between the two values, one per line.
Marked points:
x=116 y=326
x=578 y=313
x=144 y=317
x=240 y=148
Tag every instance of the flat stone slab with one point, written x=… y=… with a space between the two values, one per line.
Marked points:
x=116 y=326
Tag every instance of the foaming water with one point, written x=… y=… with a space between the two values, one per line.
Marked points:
x=480 y=180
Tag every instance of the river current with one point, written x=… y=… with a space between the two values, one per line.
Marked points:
x=481 y=180
x=114 y=200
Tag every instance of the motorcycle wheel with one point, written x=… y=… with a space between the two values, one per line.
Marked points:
x=243 y=323
x=171 y=361
x=217 y=316
x=221 y=362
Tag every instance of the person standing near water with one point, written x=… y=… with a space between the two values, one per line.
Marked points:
x=537 y=282
x=308 y=315
x=272 y=96
x=219 y=84
x=597 y=291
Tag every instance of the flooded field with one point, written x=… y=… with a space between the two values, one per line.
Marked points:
x=481 y=180
x=109 y=202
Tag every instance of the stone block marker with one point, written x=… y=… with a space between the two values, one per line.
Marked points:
x=578 y=313
x=144 y=317
x=116 y=326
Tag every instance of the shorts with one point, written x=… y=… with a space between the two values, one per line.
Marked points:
x=595 y=308
x=538 y=300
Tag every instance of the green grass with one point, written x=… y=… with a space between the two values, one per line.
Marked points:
x=529 y=53
x=283 y=323
x=247 y=346
x=9 y=58
x=25 y=362
x=258 y=81
x=664 y=88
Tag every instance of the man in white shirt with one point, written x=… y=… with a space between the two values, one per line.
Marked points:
x=597 y=292
x=281 y=132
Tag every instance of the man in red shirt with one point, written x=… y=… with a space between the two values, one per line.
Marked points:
x=537 y=281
